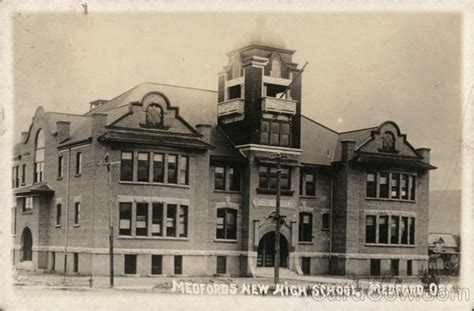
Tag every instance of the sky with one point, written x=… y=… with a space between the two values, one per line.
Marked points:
x=364 y=67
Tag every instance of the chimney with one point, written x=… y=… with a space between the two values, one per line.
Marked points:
x=205 y=131
x=97 y=103
x=347 y=149
x=24 y=136
x=98 y=122
x=425 y=154
x=64 y=129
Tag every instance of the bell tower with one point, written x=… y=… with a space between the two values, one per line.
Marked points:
x=259 y=93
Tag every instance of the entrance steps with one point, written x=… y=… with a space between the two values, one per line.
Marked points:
x=267 y=272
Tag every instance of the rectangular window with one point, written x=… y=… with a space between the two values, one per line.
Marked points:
x=158 y=168
x=157 y=220
x=178 y=265
x=77 y=212
x=374 y=267
x=412 y=230
x=219 y=178
x=268 y=178
x=23 y=174
x=126 y=166
x=13 y=177
x=409 y=267
x=383 y=229
x=172 y=169
x=58 y=214
x=60 y=166
x=78 y=163
x=171 y=220
x=306 y=265
x=395 y=187
x=156 y=264
x=75 y=262
x=234 y=178
x=221 y=265
x=394 y=266
x=308 y=184
x=404 y=187
x=17 y=176
x=371 y=189
x=306 y=227
x=413 y=188
x=130 y=264
x=27 y=204
x=394 y=229
x=183 y=221
x=226 y=224
x=141 y=220
x=274 y=133
x=53 y=261
x=325 y=221
x=404 y=230
x=285 y=135
x=183 y=170
x=125 y=223
x=383 y=182
x=370 y=228
x=264 y=132
x=143 y=166
x=285 y=179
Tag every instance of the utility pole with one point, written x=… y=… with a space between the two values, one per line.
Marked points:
x=278 y=219
x=107 y=163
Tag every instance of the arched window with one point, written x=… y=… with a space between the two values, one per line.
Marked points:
x=236 y=69
x=276 y=68
x=154 y=115
x=388 y=141
x=39 y=156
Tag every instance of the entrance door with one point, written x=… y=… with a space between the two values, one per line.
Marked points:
x=266 y=251
x=27 y=245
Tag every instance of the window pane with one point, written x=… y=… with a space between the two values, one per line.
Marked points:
x=58 y=214
x=60 y=166
x=412 y=231
x=395 y=186
x=371 y=189
x=183 y=170
x=310 y=187
x=157 y=219
x=413 y=188
x=143 y=166
x=404 y=187
x=305 y=227
x=404 y=230
x=158 y=167
x=171 y=220
x=263 y=177
x=78 y=163
x=383 y=180
x=264 y=132
x=183 y=221
x=231 y=224
x=172 y=166
x=220 y=228
x=156 y=264
x=126 y=166
x=285 y=128
x=370 y=223
x=77 y=212
x=234 y=178
x=325 y=221
x=219 y=178
x=394 y=229
x=125 y=223
x=142 y=219
x=383 y=229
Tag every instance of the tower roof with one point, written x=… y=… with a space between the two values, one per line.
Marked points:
x=261 y=36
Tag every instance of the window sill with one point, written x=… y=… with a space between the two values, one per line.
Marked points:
x=390 y=200
x=227 y=191
x=325 y=229
x=126 y=237
x=27 y=213
x=144 y=183
x=308 y=196
x=57 y=226
x=77 y=175
x=389 y=245
x=76 y=225
x=287 y=193
x=225 y=241
x=22 y=184
x=305 y=243
x=59 y=178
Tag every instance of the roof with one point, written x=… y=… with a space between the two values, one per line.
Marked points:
x=448 y=239
x=39 y=188
x=359 y=136
x=318 y=142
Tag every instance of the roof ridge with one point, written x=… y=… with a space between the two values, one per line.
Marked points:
x=180 y=86
x=359 y=130
x=326 y=127
x=65 y=113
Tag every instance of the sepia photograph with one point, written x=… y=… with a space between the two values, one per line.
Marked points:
x=178 y=157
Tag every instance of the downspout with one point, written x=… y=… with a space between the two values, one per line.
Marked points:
x=67 y=208
x=330 y=222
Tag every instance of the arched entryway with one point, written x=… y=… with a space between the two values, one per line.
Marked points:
x=266 y=251
x=26 y=245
